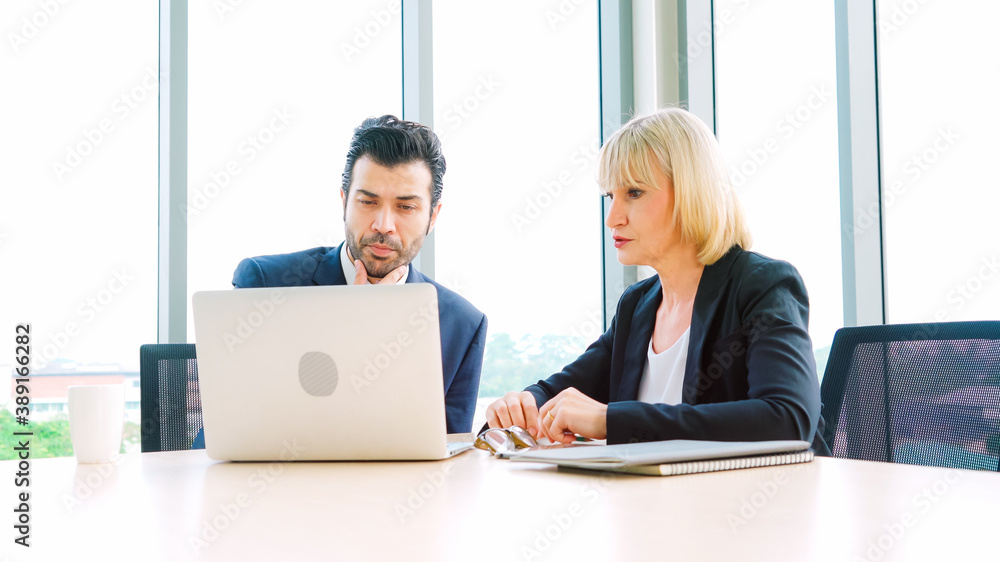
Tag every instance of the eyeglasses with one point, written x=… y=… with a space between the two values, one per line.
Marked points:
x=502 y=440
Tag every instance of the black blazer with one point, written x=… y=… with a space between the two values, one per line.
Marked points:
x=750 y=373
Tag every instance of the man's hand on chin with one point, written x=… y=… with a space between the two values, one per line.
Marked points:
x=392 y=278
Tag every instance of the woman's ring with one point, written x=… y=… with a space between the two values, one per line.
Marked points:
x=550 y=416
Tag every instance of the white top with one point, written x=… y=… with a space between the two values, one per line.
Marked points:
x=350 y=271
x=663 y=375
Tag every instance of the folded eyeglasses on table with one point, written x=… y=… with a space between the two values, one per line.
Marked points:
x=503 y=442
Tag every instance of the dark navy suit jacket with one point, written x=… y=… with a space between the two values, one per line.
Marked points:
x=463 y=326
x=750 y=372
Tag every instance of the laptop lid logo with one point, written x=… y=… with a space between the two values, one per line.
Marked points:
x=317 y=373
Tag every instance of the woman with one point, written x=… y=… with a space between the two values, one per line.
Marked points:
x=715 y=346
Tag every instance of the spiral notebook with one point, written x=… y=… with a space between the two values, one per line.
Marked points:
x=675 y=457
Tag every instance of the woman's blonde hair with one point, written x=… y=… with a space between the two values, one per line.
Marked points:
x=684 y=149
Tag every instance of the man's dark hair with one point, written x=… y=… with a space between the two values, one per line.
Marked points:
x=389 y=142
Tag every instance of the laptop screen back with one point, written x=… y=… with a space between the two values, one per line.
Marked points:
x=321 y=373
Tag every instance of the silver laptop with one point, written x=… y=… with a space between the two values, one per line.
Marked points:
x=322 y=373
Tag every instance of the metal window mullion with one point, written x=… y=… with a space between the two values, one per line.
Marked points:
x=615 y=36
x=418 y=90
x=172 y=235
x=696 y=64
x=862 y=248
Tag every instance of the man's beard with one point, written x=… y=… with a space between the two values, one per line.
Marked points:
x=380 y=267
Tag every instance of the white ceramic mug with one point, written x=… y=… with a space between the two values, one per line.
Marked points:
x=96 y=418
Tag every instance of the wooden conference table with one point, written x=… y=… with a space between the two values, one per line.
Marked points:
x=182 y=505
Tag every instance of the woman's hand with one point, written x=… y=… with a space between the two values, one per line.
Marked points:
x=515 y=408
x=572 y=412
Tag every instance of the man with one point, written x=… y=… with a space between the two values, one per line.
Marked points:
x=391 y=192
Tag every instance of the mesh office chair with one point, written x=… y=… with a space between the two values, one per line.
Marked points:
x=170 y=397
x=925 y=394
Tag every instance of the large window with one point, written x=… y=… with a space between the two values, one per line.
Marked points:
x=78 y=174
x=275 y=91
x=938 y=84
x=520 y=231
x=777 y=123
